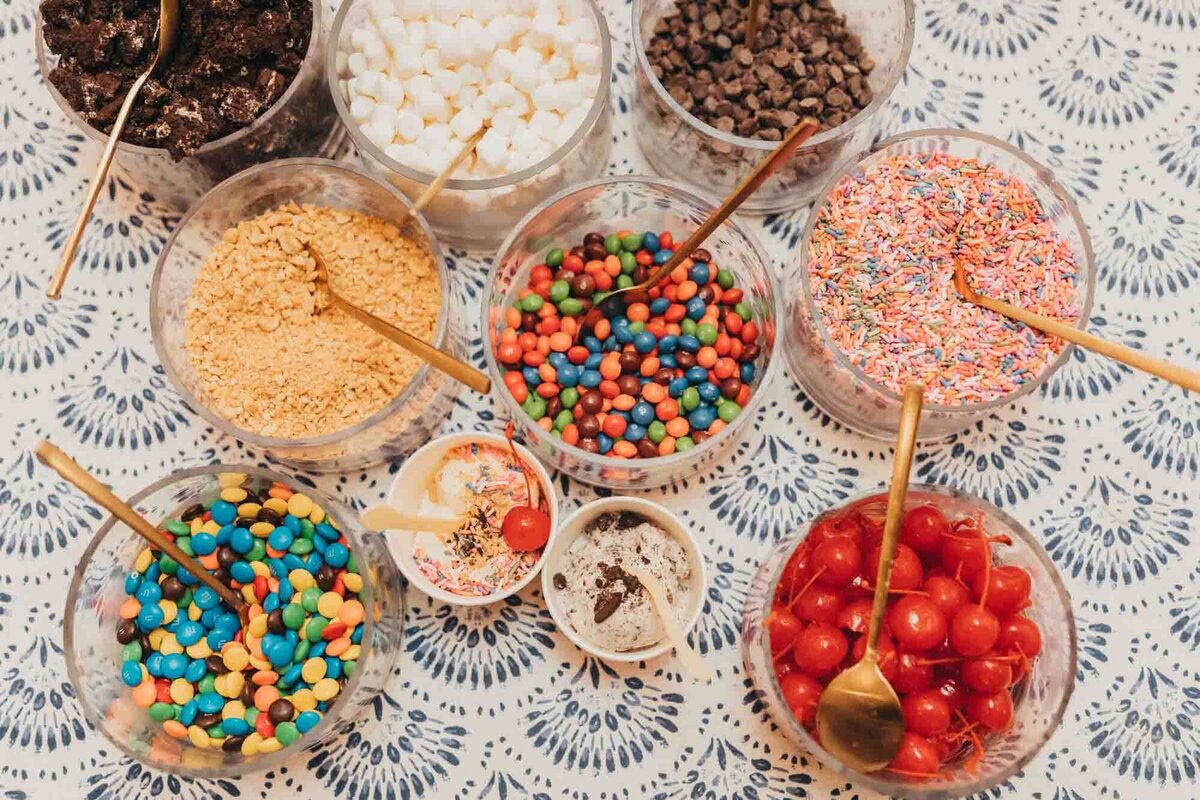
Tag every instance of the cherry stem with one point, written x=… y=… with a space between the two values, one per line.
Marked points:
x=807 y=586
x=508 y=434
x=869 y=588
x=908 y=773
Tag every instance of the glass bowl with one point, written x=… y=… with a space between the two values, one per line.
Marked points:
x=1042 y=697
x=637 y=203
x=843 y=390
x=399 y=427
x=479 y=213
x=302 y=122
x=93 y=654
x=678 y=145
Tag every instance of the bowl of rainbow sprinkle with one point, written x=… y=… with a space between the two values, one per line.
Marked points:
x=873 y=303
x=498 y=512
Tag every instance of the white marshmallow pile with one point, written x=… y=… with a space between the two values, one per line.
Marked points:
x=428 y=74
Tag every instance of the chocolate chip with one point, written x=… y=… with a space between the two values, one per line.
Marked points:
x=559 y=581
x=606 y=605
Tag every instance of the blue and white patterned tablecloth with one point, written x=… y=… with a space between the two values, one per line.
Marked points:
x=1104 y=464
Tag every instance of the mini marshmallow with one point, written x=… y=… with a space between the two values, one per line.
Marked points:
x=409 y=125
x=544 y=123
x=524 y=7
x=492 y=150
x=385 y=117
x=361 y=109
x=501 y=31
x=481 y=106
x=585 y=30
x=484 y=10
x=379 y=10
x=416 y=33
x=370 y=83
x=587 y=57
x=376 y=53
x=546 y=96
x=392 y=30
x=447 y=11
x=414 y=9
x=465 y=123
x=498 y=67
x=541 y=32
x=446 y=82
x=505 y=121
x=564 y=38
x=391 y=92
x=379 y=135
x=435 y=138
x=558 y=67
x=419 y=85
x=524 y=77
x=357 y=63
x=433 y=106
x=431 y=61
x=396 y=152
x=501 y=94
x=363 y=35
x=470 y=74
x=547 y=8
x=406 y=62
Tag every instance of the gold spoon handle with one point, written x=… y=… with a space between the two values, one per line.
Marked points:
x=795 y=137
x=440 y=181
x=98 y=181
x=752 y=15
x=1188 y=379
x=906 y=438
x=438 y=359
x=71 y=472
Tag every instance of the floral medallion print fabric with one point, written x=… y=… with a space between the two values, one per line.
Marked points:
x=1103 y=463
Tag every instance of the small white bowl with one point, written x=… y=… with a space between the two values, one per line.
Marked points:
x=573 y=526
x=408 y=492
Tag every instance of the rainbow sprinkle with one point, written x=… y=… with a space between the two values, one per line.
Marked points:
x=881 y=267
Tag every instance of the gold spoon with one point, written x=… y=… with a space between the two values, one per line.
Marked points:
x=438 y=359
x=436 y=186
x=688 y=657
x=614 y=302
x=752 y=23
x=859 y=718
x=1126 y=355
x=71 y=472
x=168 y=27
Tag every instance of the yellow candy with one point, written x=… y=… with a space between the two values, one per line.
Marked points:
x=262 y=530
x=211 y=527
x=258 y=626
x=271 y=745
x=302 y=579
x=304 y=700
x=236 y=657
x=233 y=708
x=170 y=645
x=313 y=670
x=170 y=611
x=195 y=612
x=353 y=581
x=248 y=594
x=156 y=637
x=260 y=568
x=195 y=525
x=199 y=650
x=317 y=515
x=249 y=510
x=228 y=479
x=328 y=604
x=143 y=561
x=181 y=691
x=351 y=653
x=234 y=494
x=299 y=505
x=325 y=689
x=276 y=505
x=198 y=736
x=260 y=663
x=232 y=685
x=251 y=744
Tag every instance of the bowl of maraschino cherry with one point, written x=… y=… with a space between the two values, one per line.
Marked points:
x=978 y=640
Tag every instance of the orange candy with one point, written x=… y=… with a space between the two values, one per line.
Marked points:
x=623 y=402
x=654 y=392
x=560 y=342
x=624 y=449
x=667 y=409
x=678 y=427
x=264 y=696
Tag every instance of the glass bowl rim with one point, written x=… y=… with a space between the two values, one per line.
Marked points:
x=847 y=127
x=365 y=145
x=1043 y=174
x=214 y=195
x=596 y=460
x=43 y=55
x=899 y=788
x=348 y=523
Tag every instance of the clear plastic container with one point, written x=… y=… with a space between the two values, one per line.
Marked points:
x=396 y=429
x=302 y=122
x=678 y=145
x=93 y=654
x=479 y=213
x=843 y=390
x=1041 y=698
x=637 y=203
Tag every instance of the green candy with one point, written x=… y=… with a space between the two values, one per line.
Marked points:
x=309 y=598
x=684 y=443
x=729 y=411
x=724 y=279
x=186 y=599
x=132 y=651
x=689 y=399
x=184 y=543
x=301 y=547
x=612 y=243
x=315 y=626
x=559 y=291
x=569 y=397
x=302 y=648
x=348 y=668
x=632 y=242
x=656 y=431
x=216 y=731
x=743 y=311
x=688 y=326
x=706 y=333
x=628 y=263
x=637 y=327
x=258 y=551
x=206 y=684
x=530 y=302
x=570 y=306
x=178 y=528
x=554 y=258
x=624 y=281
x=294 y=616
x=167 y=564
x=287 y=733
x=161 y=712
x=351 y=562
x=563 y=419
x=307 y=529
x=534 y=406
x=556 y=433
x=251 y=716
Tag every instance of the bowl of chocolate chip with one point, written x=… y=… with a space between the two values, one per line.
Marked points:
x=708 y=107
x=244 y=84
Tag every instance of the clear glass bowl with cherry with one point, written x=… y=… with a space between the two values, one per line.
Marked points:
x=978 y=639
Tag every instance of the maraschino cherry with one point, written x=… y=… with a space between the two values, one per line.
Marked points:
x=524 y=527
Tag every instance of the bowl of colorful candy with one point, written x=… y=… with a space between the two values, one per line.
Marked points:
x=653 y=393
x=171 y=675
x=872 y=303
x=978 y=640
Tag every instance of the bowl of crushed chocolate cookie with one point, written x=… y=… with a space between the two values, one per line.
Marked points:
x=591 y=592
x=245 y=84
x=708 y=108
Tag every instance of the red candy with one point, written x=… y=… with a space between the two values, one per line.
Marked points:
x=954 y=642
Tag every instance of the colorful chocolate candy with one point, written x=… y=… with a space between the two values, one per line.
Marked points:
x=187 y=658
x=674 y=368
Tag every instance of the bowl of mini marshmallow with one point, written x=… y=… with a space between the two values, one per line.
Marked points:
x=414 y=81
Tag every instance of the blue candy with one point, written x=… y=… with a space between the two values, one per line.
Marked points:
x=293 y=561
x=336 y=555
x=659 y=306
x=667 y=344
x=644 y=342
x=241 y=572
x=204 y=543
x=285 y=590
x=663 y=256
x=667 y=361
x=236 y=726
x=635 y=432
x=148 y=593
x=210 y=702
x=557 y=360
x=590 y=379
x=709 y=392
x=154 y=664
x=174 y=665
x=271 y=602
x=195 y=670
x=292 y=675
x=314 y=562
x=292 y=524
x=278 y=569
x=149 y=617
x=131 y=673
x=223 y=513
x=604 y=442
x=305 y=721
x=356 y=637
x=333 y=667
x=623 y=334
x=241 y=540
x=642 y=413
x=132 y=581
x=689 y=344
x=746 y=372
x=698 y=274
x=695 y=308
x=696 y=375
x=650 y=241
x=318 y=649
x=568 y=374
x=189 y=712
x=531 y=376
x=205 y=597
x=676 y=387
x=189 y=633
x=701 y=418
x=224 y=534
x=326 y=531
x=594 y=347
x=185 y=577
